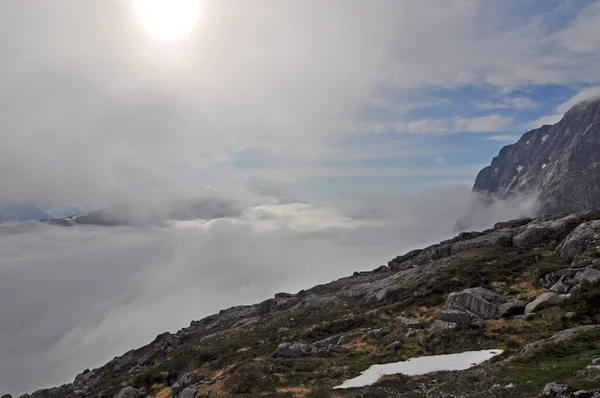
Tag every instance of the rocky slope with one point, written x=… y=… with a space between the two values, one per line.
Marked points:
x=560 y=162
x=530 y=287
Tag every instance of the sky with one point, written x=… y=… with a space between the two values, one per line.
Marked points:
x=348 y=131
x=319 y=96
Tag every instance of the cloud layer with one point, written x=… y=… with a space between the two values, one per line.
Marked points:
x=73 y=298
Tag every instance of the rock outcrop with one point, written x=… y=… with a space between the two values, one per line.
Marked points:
x=585 y=236
x=130 y=392
x=560 y=163
x=479 y=301
x=544 y=301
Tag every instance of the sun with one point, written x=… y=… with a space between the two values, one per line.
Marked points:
x=168 y=19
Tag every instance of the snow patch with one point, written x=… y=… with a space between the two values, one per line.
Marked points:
x=544 y=138
x=528 y=141
x=519 y=168
x=420 y=366
x=544 y=166
x=495 y=170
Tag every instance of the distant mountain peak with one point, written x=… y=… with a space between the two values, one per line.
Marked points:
x=559 y=162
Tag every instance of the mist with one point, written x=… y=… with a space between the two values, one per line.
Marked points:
x=73 y=298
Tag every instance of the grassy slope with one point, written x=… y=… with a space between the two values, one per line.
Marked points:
x=241 y=360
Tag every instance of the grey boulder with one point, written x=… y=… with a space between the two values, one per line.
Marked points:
x=590 y=275
x=560 y=287
x=478 y=300
x=544 y=301
x=130 y=392
x=460 y=318
x=293 y=350
x=512 y=308
x=585 y=236
x=563 y=334
x=407 y=323
x=395 y=346
x=557 y=390
x=189 y=392
x=439 y=325
x=183 y=382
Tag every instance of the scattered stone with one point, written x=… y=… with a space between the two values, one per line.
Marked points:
x=544 y=301
x=566 y=272
x=557 y=390
x=395 y=346
x=596 y=361
x=337 y=348
x=376 y=334
x=590 y=275
x=563 y=334
x=287 y=350
x=332 y=344
x=441 y=325
x=184 y=382
x=581 y=263
x=408 y=323
x=333 y=340
x=560 y=287
x=478 y=300
x=189 y=392
x=460 y=318
x=512 y=308
x=415 y=332
x=130 y=392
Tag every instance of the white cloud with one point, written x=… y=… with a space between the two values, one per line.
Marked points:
x=483 y=124
x=507 y=103
x=440 y=160
x=582 y=95
x=292 y=174
x=504 y=138
x=583 y=35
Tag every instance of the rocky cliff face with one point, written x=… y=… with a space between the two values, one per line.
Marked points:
x=560 y=162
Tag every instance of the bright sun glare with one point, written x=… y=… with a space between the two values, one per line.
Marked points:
x=168 y=19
